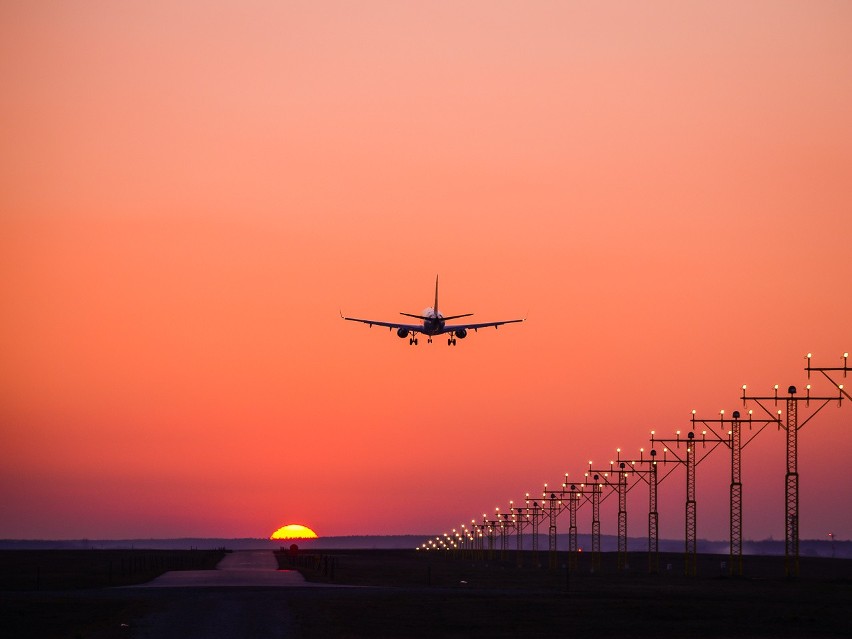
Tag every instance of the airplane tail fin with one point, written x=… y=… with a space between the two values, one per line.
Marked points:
x=449 y=317
x=435 y=308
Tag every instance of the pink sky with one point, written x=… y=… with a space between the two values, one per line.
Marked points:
x=190 y=193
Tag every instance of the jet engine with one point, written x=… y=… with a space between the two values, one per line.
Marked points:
x=402 y=332
x=461 y=333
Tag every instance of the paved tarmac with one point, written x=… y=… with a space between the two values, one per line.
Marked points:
x=239 y=568
x=244 y=597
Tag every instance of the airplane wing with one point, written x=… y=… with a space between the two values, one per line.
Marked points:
x=414 y=328
x=457 y=327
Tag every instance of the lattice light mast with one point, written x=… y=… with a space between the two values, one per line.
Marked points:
x=653 y=514
x=616 y=479
x=504 y=524
x=551 y=506
x=592 y=479
x=534 y=514
x=622 y=515
x=465 y=541
x=490 y=526
x=573 y=503
x=572 y=497
x=736 y=495
x=649 y=476
x=525 y=516
x=733 y=439
x=689 y=459
x=571 y=494
x=691 y=524
x=519 y=521
x=478 y=539
x=791 y=478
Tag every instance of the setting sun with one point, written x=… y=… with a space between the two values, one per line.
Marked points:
x=294 y=531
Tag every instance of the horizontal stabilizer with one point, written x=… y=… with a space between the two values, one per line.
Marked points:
x=430 y=319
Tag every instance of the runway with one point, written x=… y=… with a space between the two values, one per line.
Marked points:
x=232 y=601
x=242 y=568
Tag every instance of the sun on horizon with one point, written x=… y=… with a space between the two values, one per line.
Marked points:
x=293 y=531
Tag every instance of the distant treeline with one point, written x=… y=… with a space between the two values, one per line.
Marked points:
x=193 y=543
x=137 y=544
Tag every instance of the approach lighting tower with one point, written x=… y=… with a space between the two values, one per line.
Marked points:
x=506 y=522
x=534 y=514
x=519 y=520
x=490 y=526
x=688 y=459
x=478 y=531
x=551 y=506
x=732 y=438
x=791 y=479
x=592 y=480
x=573 y=494
x=616 y=479
x=649 y=476
x=554 y=506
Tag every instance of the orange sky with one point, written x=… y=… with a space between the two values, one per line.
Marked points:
x=190 y=193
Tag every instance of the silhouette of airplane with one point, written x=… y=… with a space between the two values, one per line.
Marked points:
x=433 y=323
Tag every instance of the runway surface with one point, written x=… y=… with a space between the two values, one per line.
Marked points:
x=233 y=601
x=240 y=568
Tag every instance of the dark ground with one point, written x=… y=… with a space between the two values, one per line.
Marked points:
x=419 y=594
x=76 y=569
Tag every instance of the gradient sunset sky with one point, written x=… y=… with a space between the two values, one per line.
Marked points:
x=191 y=191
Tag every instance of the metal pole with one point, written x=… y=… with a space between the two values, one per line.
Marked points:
x=791 y=530
x=736 y=558
x=653 y=517
x=622 y=517
x=690 y=558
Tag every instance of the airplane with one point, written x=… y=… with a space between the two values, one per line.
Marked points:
x=433 y=323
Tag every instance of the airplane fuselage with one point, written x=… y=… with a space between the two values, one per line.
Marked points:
x=433 y=324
